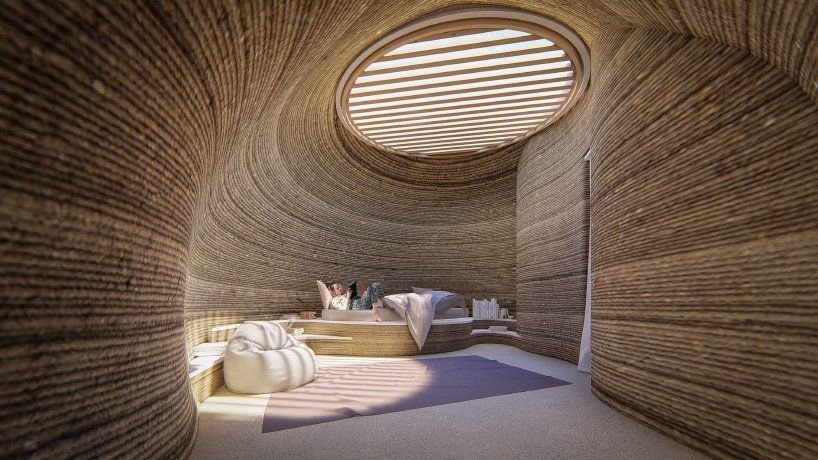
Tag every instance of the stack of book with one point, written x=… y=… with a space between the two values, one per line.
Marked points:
x=486 y=309
x=209 y=349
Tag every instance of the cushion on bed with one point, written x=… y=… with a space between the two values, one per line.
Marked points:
x=446 y=300
x=326 y=295
x=394 y=301
x=441 y=300
x=418 y=290
x=451 y=313
x=261 y=358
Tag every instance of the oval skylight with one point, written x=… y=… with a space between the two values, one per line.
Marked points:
x=463 y=81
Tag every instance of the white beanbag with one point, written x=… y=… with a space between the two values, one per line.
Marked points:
x=262 y=358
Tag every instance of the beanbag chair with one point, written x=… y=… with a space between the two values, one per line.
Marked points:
x=261 y=358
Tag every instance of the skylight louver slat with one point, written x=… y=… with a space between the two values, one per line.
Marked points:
x=395 y=138
x=497 y=69
x=486 y=115
x=463 y=39
x=554 y=80
x=449 y=140
x=437 y=145
x=461 y=123
x=480 y=57
x=457 y=108
x=475 y=82
x=466 y=46
x=458 y=97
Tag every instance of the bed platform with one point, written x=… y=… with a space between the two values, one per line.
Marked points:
x=387 y=338
x=361 y=338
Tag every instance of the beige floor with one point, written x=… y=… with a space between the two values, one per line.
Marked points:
x=566 y=422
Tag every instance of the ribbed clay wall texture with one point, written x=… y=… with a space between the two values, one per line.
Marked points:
x=705 y=245
x=101 y=150
x=167 y=166
x=552 y=237
x=301 y=200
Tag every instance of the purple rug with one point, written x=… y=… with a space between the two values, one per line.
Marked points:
x=382 y=387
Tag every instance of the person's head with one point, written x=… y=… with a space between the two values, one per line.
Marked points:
x=336 y=288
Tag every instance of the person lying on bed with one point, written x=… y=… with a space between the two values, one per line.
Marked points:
x=348 y=299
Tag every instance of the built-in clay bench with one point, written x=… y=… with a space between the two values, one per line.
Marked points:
x=361 y=338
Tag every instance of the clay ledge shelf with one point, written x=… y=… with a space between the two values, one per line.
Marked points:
x=490 y=332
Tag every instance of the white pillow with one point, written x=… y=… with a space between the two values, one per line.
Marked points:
x=395 y=301
x=418 y=290
x=440 y=300
x=326 y=296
